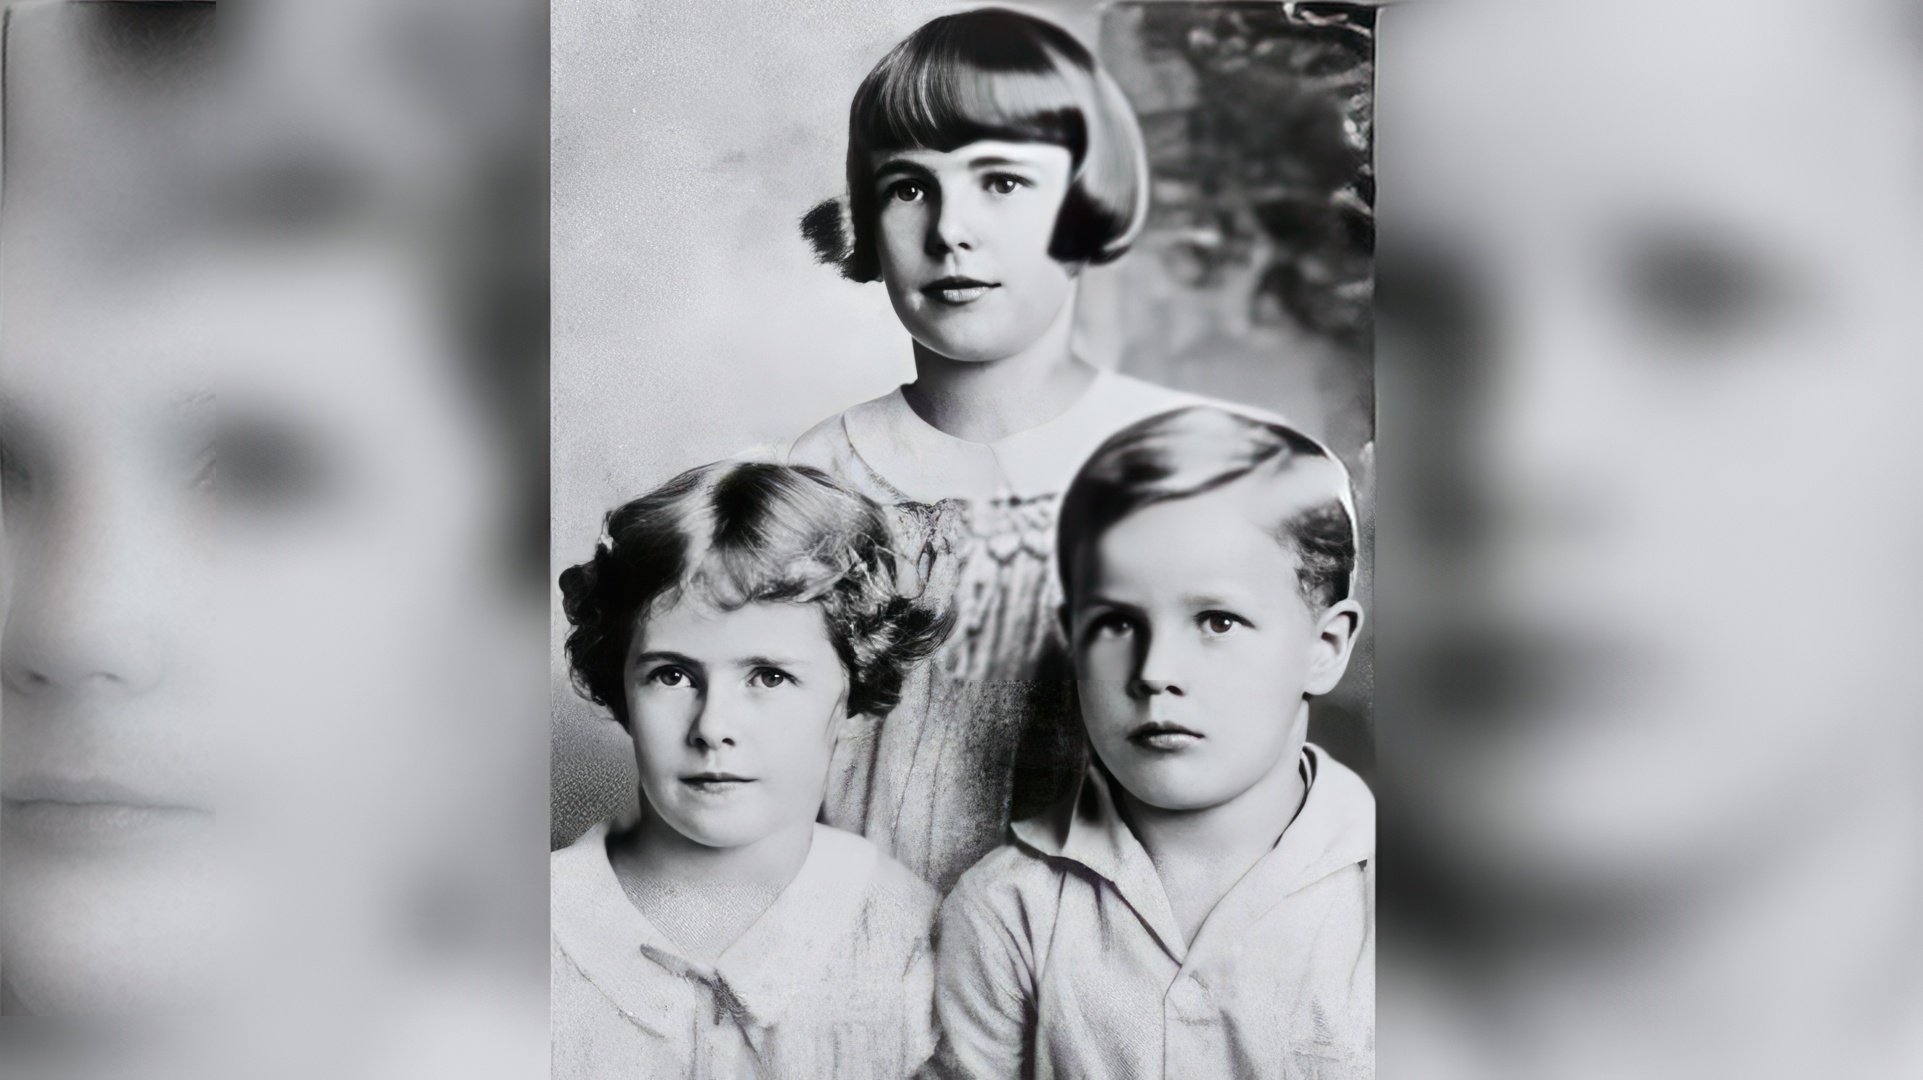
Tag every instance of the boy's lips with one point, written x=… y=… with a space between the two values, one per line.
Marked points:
x=1162 y=735
x=956 y=291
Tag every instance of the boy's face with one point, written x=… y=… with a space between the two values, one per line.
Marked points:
x=734 y=716
x=1194 y=649
x=963 y=239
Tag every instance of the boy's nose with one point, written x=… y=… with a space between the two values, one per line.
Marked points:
x=1158 y=671
x=1145 y=687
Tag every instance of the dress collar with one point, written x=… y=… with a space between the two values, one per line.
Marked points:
x=755 y=978
x=925 y=464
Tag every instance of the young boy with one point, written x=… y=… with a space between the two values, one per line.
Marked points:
x=732 y=621
x=1204 y=906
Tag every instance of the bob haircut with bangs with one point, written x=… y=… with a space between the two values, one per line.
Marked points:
x=1197 y=449
x=993 y=73
x=739 y=533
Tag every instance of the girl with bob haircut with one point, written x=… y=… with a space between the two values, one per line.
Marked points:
x=998 y=74
x=990 y=160
x=732 y=621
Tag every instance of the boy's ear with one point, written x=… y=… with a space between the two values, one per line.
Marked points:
x=1335 y=641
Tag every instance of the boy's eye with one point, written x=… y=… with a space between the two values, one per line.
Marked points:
x=1005 y=183
x=907 y=191
x=1217 y=623
x=769 y=678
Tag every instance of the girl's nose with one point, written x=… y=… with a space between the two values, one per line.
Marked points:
x=953 y=227
x=715 y=724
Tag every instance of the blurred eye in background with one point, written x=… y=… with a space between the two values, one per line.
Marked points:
x=1703 y=290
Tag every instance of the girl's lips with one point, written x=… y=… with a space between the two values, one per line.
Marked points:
x=716 y=783
x=957 y=291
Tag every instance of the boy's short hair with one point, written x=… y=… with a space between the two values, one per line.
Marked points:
x=739 y=533
x=992 y=73
x=1197 y=449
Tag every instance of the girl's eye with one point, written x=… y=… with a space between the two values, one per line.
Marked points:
x=1005 y=184
x=1109 y=626
x=1217 y=623
x=769 y=678
x=907 y=191
x=670 y=677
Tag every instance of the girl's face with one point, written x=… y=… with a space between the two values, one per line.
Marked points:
x=963 y=238
x=1195 y=649
x=734 y=716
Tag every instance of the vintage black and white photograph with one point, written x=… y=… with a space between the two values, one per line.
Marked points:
x=971 y=527
x=962 y=436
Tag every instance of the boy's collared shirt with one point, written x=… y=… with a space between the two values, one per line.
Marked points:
x=1060 y=955
x=834 y=979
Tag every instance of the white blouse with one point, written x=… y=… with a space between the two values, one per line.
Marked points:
x=835 y=978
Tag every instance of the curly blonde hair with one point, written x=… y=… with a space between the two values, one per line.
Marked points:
x=739 y=533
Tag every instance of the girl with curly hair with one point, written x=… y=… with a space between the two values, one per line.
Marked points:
x=732 y=621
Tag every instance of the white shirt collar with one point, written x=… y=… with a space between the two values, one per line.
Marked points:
x=625 y=954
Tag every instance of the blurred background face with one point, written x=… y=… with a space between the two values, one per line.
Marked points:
x=1658 y=574
x=109 y=765
x=1193 y=647
x=295 y=259
x=963 y=237
x=734 y=716
x=367 y=530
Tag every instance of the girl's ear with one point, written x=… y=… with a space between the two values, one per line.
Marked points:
x=1335 y=642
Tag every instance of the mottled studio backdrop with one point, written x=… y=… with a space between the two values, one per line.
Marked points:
x=690 y=322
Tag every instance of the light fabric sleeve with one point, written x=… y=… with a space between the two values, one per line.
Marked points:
x=985 y=975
